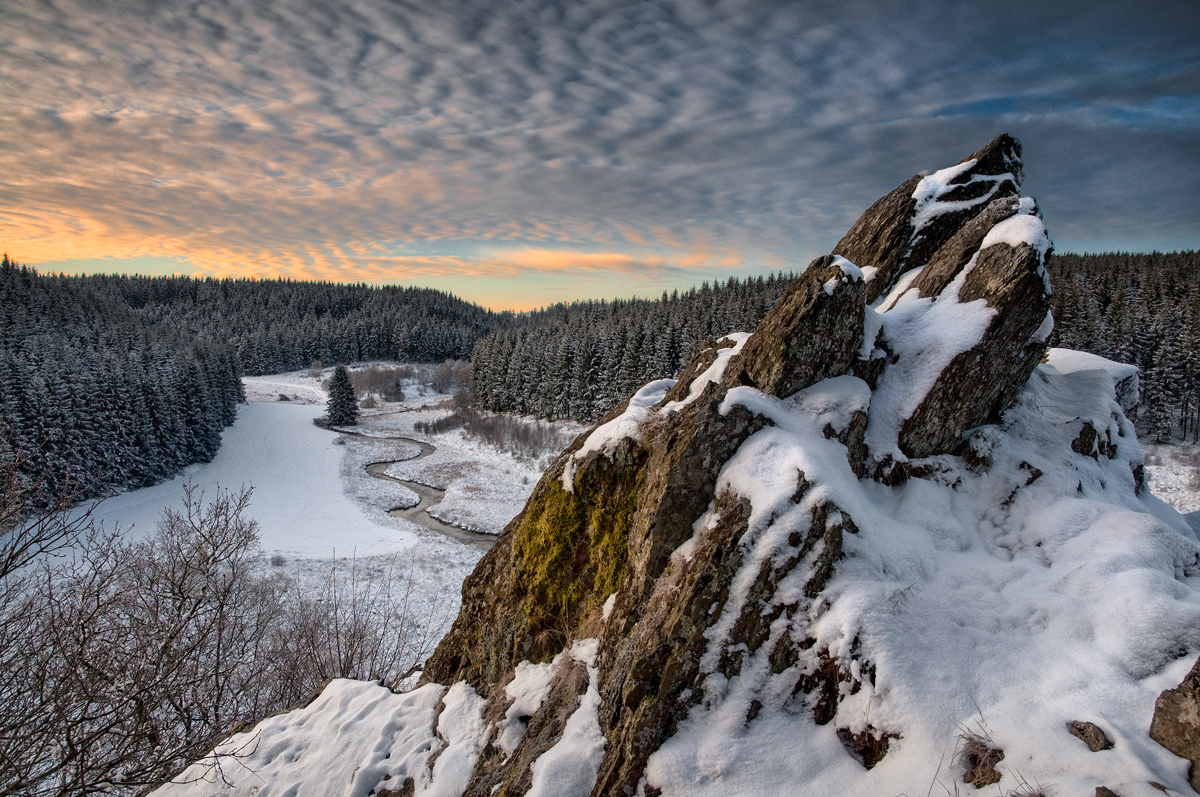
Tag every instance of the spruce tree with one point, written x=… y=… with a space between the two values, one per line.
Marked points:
x=343 y=407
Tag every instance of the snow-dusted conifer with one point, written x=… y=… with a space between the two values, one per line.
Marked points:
x=343 y=407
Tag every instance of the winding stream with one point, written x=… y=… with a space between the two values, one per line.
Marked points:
x=430 y=496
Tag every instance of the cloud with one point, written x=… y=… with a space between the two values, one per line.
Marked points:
x=314 y=137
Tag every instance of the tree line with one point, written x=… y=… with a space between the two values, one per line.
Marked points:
x=98 y=394
x=578 y=360
x=1142 y=309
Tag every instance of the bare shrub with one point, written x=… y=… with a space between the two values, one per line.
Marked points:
x=517 y=436
x=451 y=375
x=357 y=625
x=136 y=656
x=315 y=369
x=440 y=425
x=383 y=381
x=126 y=660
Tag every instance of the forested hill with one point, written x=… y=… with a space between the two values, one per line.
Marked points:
x=281 y=325
x=95 y=392
x=578 y=360
x=1142 y=309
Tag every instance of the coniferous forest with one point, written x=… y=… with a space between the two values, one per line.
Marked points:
x=96 y=394
x=1142 y=309
x=579 y=360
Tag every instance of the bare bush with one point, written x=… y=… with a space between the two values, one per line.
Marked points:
x=383 y=381
x=517 y=436
x=451 y=375
x=358 y=625
x=136 y=657
x=126 y=660
x=440 y=425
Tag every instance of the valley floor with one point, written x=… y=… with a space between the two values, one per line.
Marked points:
x=316 y=504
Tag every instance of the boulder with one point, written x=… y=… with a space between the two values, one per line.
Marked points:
x=982 y=382
x=1176 y=722
x=946 y=263
x=1090 y=734
x=814 y=332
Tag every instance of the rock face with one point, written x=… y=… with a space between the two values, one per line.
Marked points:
x=814 y=332
x=629 y=539
x=905 y=229
x=1176 y=723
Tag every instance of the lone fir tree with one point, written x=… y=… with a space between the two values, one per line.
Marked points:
x=343 y=407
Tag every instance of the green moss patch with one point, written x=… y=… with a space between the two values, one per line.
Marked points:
x=570 y=549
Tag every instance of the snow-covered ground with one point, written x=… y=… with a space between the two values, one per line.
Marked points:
x=299 y=500
x=1173 y=471
x=485 y=488
x=314 y=500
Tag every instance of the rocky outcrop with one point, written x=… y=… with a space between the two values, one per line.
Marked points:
x=689 y=583
x=1090 y=734
x=1176 y=723
x=983 y=381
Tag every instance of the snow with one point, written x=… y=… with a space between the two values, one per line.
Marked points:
x=1042 y=333
x=933 y=187
x=569 y=768
x=1173 y=473
x=527 y=690
x=607 y=608
x=485 y=488
x=605 y=437
x=1124 y=375
x=354 y=738
x=849 y=270
x=924 y=334
x=461 y=726
x=1018 y=230
x=986 y=601
x=298 y=500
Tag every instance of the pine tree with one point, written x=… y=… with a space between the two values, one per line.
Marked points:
x=343 y=406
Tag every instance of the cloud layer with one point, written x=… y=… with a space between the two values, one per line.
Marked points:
x=387 y=141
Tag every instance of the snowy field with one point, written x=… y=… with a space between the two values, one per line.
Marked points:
x=1173 y=470
x=299 y=500
x=315 y=502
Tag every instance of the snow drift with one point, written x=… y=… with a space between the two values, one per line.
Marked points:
x=888 y=544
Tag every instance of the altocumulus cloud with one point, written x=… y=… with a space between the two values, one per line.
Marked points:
x=347 y=140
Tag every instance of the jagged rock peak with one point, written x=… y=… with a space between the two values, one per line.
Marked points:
x=904 y=228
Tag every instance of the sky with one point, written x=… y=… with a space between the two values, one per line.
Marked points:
x=526 y=152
